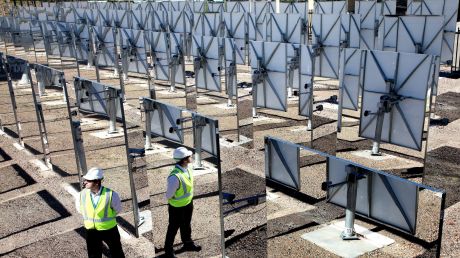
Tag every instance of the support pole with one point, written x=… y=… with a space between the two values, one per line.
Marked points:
x=96 y=65
x=79 y=148
x=151 y=85
x=352 y=190
x=112 y=109
x=7 y=68
x=198 y=129
x=230 y=83
x=309 y=124
x=118 y=67
x=148 y=125
x=131 y=170
x=378 y=131
x=174 y=64
x=41 y=87
x=256 y=79
x=293 y=65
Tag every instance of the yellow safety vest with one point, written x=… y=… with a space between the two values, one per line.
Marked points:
x=184 y=194
x=101 y=217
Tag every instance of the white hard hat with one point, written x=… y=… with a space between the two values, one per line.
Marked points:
x=94 y=174
x=181 y=153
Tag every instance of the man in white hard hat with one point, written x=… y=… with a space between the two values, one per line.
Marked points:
x=180 y=202
x=99 y=206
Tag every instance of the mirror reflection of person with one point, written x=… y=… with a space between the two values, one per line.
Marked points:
x=180 y=202
x=99 y=206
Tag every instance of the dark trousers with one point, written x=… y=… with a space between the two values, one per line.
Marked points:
x=111 y=237
x=179 y=218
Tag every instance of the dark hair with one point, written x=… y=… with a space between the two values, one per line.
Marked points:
x=180 y=162
x=98 y=181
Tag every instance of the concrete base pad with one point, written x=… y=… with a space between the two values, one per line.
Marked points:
x=156 y=148
x=18 y=146
x=105 y=135
x=260 y=120
x=206 y=168
x=224 y=106
x=88 y=121
x=329 y=238
x=227 y=144
x=45 y=171
x=272 y=196
x=330 y=106
x=203 y=100
x=146 y=218
x=53 y=94
x=300 y=129
x=367 y=154
x=54 y=103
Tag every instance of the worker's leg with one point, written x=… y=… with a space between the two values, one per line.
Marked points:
x=173 y=226
x=93 y=243
x=186 y=225
x=112 y=238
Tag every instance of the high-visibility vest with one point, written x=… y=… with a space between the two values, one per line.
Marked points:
x=184 y=194
x=101 y=217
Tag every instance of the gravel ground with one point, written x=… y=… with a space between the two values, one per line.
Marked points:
x=36 y=209
x=246 y=225
x=442 y=171
x=14 y=177
x=3 y=156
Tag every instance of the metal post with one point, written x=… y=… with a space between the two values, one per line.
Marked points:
x=148 y=125
x=41 y=87
x=74 y=45
x=136 y=214
x=254 y=91
x=112 y=109
x=198 y=131
x=41 y=123
x=292 y=66
x=309 y=126
x=173 y=73
x=96 y=65
x=221 y=197
x=231 y=72
x=117 y=63
x=33 y=42
x=352 y=190
x=79 y=148
x=441 y=225
x=13 y=100
x=378 y=131
x=129 y=154
x=124 y=55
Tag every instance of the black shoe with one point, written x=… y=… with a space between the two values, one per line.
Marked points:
x=191 y=247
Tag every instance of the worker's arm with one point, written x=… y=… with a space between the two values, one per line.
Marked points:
x=116 y=202
x=173 y=185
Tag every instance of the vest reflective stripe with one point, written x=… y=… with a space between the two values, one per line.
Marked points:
x=101 y=217
x=184 y=194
